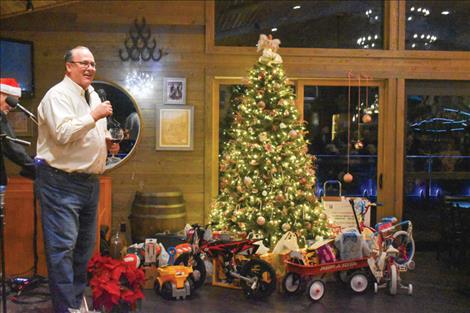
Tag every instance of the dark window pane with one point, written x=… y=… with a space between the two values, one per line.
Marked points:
x=326 y=114
x=438 y=25
x=307 y=24
x=437 y=145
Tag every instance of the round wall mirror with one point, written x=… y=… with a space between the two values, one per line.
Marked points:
x=126 y=115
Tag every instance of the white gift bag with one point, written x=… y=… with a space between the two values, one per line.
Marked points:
x=287 y=243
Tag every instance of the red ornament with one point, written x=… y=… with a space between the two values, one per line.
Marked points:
x=293 y=133
x=366 y=118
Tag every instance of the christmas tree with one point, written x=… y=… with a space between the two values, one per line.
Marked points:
x=266 y=176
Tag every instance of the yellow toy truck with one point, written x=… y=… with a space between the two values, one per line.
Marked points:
x=174 y=282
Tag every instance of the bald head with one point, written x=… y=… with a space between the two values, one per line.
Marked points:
x=80 y=66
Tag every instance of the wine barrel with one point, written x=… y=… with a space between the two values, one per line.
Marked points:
x=156 y=212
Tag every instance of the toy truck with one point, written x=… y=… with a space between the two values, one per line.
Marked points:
x=174 y=282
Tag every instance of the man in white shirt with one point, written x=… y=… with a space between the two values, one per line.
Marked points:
x=71 y=151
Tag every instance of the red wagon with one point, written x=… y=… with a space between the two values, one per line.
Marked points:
x=354 y=271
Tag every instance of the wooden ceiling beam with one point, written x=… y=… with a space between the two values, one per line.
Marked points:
x=6 y=13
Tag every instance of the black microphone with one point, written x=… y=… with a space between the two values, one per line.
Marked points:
x=102 y=94
x=13 y=102
x=103 y=97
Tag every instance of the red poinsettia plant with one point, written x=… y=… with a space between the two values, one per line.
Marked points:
x=114 y=283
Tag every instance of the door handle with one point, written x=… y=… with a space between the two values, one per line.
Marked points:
x=380 y=181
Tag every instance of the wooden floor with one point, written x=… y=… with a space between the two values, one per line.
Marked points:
x=437 y=288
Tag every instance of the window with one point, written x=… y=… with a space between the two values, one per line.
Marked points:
x=326 y=115
x=437 y=161
x=438 y=25
x=303 y=24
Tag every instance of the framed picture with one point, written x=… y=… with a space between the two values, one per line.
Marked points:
x=19 y=122
x=174 y=90
x=175 y=127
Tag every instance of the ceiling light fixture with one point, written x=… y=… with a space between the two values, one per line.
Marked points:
x=274 y=29
x=445 y=12
x=296 y=7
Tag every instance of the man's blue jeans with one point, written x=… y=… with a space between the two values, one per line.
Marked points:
x=68 y=211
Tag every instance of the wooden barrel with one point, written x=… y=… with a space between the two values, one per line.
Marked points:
x=156 y=212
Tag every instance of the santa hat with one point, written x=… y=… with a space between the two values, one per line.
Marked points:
x=10 y=86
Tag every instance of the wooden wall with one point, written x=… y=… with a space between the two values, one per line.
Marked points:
x=180 y=29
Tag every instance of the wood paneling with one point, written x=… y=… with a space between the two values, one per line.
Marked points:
x=19 y=225
x=178 y=29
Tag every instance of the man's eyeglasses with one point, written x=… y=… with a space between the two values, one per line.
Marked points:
x=85 y=64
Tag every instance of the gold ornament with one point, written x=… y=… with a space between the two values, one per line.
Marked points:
x=263 y=136
x=311 y=198
x=261 y=104
x=260 y=220
x=285 y=227
x=358 y=145
x=247 y=181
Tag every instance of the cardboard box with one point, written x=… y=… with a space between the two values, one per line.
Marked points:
x=150 y=276
x=277 y=262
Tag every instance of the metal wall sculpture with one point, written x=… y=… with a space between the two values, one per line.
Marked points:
x=138 y=46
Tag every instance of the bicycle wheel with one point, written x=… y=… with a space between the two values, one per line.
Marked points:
x=405 y=246
x=263 y=276
x=199 y=268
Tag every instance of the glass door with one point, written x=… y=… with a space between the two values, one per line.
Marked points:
x=342 y=118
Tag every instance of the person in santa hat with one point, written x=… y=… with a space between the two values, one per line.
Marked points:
x=16 y=153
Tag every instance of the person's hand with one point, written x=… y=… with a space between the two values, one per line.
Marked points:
x=113 y=148
x=103 y=109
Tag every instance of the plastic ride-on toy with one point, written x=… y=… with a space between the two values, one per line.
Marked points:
x=174 y=282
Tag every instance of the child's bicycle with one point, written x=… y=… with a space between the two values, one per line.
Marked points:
x=257 y=277
x=392 y=252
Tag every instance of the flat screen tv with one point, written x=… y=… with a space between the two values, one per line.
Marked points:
x=16 y=61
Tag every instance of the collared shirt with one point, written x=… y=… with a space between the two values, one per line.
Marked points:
x=68 y=137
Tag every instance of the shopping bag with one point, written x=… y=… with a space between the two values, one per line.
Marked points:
x=287 y=243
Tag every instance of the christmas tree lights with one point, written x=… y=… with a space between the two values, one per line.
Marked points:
x=266 y=176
